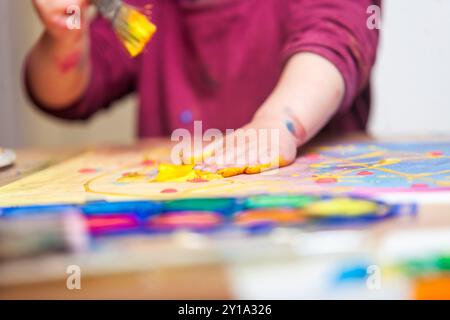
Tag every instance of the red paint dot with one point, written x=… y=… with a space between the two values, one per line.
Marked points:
x=436 y=153
x=197 y=180
x=419 y=185
x=169 y=191
x=87 y=171
x=312 y=156
x=326 y=180
x=365 y=173
x=70 y=62
x=148 y=163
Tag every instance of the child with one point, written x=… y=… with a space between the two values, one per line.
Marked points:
x=298 y=66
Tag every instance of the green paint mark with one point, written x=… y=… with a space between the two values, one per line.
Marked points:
x=223 y=205
x=280 y=201
x=434 y=264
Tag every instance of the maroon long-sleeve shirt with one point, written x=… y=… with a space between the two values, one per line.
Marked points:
x=218 y=60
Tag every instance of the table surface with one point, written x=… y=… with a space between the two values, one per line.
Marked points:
x=199 y=282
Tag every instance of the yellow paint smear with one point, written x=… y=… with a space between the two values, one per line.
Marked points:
x=387 y=162
x=182 y=173
x=341 y=207
x=234 y=171
x=133 y=177
x=257 y=169
x=185 y=173
x=230 y=172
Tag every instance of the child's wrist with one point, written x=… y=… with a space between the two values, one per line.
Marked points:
x=65 y=53
x=55 y=45
x=284 y=119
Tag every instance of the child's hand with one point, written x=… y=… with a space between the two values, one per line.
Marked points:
x=266 y=143
x=58 y=67
x=55 y=14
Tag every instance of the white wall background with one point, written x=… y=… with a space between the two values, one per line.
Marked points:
x=412 y=77
x=411 y=80
x=8 y=91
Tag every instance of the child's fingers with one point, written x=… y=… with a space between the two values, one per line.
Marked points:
x=238 y=165
x=271 y=156
x=264 y=163
x=213 y=151
x=54 y=14
x=200 y=155
x=231 y=171
x=46 y=11
x=255 y=150
x=240 y=153
x=246 y=154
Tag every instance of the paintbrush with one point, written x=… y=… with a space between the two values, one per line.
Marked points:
x=131 y=26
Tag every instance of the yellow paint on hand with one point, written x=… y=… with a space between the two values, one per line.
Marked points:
x=182 y=173
x=341 y=207
x=230 y=172
x=257 y=169
x=234 y=171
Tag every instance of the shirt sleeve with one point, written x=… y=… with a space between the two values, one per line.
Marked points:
x=336 y=30
x=113 y=75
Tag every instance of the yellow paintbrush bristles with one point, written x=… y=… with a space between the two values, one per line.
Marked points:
x=134 y=29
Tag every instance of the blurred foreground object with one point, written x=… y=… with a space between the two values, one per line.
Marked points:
x=7 y=157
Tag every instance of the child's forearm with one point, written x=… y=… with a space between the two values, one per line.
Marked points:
x=308 y=93
x=58 y=70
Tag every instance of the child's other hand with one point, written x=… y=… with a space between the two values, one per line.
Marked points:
x=266 y=143
x=54 y=15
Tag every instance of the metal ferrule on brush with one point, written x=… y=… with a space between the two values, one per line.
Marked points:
x=108 y=8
